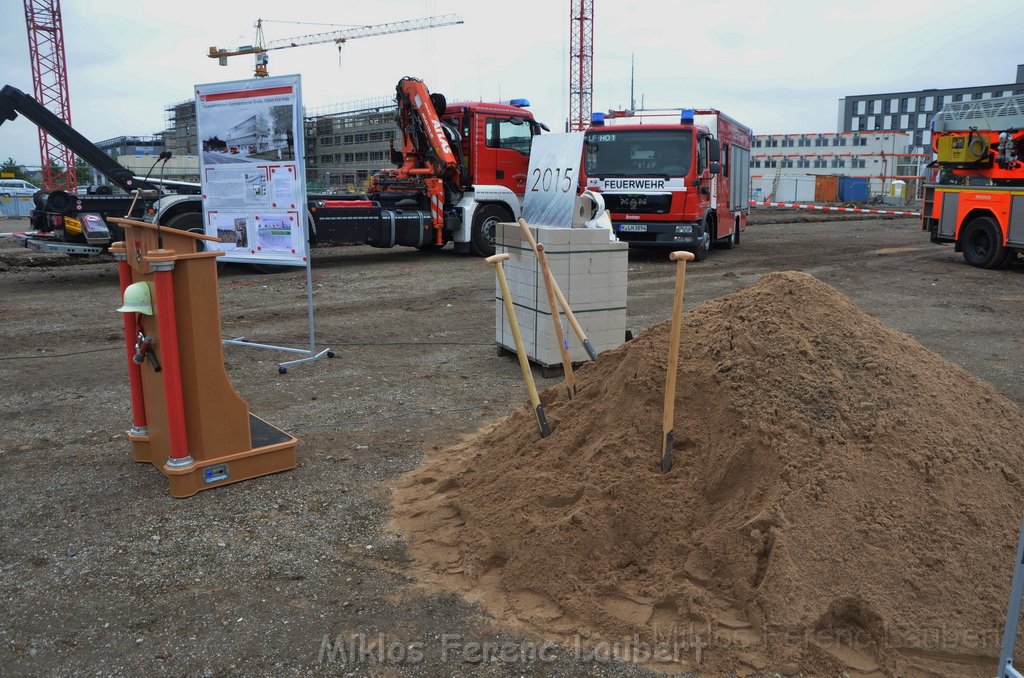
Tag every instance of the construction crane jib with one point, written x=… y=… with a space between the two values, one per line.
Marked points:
x=261 y=47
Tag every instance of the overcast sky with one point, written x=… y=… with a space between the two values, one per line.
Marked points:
x=778 y=65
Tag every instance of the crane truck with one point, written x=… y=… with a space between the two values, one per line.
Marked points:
x=461 y=169
x=980 y=142
x=671 y=177
x=75 y=223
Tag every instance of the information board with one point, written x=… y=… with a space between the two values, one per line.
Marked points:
x=553 y=179
x=251 y=171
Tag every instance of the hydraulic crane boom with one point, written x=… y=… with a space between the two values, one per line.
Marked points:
x=260 y=49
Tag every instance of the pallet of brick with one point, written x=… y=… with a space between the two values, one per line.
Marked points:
x=590 y=271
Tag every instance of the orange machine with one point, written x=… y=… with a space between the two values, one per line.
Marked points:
x=981 y=142
x=187 y=418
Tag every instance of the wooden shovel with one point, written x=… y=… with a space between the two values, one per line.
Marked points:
x=549 y=284
x=673 y=360
x=524 y=363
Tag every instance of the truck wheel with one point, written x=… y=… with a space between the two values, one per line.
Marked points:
x=728 y=242
x=700 y=252
x=186 y=221
x=982 y=244
x=485 y=224
x=191 y=222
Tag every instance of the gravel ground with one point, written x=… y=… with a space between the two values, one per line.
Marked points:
x=101 y=572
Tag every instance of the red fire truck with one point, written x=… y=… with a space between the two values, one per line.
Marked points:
x=981 y=143
x=671 y=178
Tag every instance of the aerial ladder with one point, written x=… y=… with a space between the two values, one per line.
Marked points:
x=981 y=143
x=261 y=47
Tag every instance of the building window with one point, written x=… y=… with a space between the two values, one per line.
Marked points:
x=894 y=105
x=803 y=163
x=839 y=141
x=887 y=123
x=820 y=164
x=911 y=105
x=773 y=143
x=769 y=163
x=361 y=157
x=857 y=163
x=958 y=97
x=787 y=163
x=876 y=106
x=819 y=142
x=838 y=162
x=804 y=141
x=755 y=163
x=872 y=124
x=922 y=120
x=348 y=139
x=350 y=157
x=787 y=143
x=757 y=143
x=986 y=95
x=929 y=103
x=904 y=121
x=862 y=107
x=376 y=155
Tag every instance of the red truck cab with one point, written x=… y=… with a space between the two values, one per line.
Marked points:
x=496 y=141
x=678 y=180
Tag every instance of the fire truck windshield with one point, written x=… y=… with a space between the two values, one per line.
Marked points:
x=637 y=153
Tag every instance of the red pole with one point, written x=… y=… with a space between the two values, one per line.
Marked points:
x=168 y=327
x=131 y=331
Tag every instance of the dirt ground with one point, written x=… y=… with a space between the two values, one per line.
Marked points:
x=101 y=572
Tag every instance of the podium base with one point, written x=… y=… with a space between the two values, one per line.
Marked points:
x=273 y=451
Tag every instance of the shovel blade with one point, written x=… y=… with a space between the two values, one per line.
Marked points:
x=666 y=452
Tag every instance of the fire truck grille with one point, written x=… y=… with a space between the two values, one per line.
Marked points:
x=637 y=203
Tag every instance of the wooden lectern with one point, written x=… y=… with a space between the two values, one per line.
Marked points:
x=187 y=418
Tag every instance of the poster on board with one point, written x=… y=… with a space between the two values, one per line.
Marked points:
x=251 y=172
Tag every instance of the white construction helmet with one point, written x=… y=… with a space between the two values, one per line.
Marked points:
x=138 y=298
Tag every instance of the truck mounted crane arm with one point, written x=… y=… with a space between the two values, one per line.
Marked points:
x=13 y=101
x=426 y=140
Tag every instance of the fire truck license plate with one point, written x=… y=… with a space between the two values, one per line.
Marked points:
x=632 y=228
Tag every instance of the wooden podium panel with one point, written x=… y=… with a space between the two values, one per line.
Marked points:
x=225 y=443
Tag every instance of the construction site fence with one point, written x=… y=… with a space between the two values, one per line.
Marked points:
x=792 y=188
x=15 y=206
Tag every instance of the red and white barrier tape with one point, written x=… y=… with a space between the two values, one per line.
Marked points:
x=825 y=208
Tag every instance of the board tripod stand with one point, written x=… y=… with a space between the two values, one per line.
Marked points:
x=1006 y=667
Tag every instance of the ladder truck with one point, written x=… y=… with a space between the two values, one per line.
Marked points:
x=979 y=142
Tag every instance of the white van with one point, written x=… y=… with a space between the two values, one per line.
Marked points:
x=17 y=188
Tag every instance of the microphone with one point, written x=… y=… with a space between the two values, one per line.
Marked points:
x=165 y=156
x=138 y=191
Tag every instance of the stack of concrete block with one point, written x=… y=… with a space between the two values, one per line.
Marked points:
x=590 y=271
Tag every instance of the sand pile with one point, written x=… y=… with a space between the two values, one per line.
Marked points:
x=842 y=499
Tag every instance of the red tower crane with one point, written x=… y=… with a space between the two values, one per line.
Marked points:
x=50 y=85
x=581 y=63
